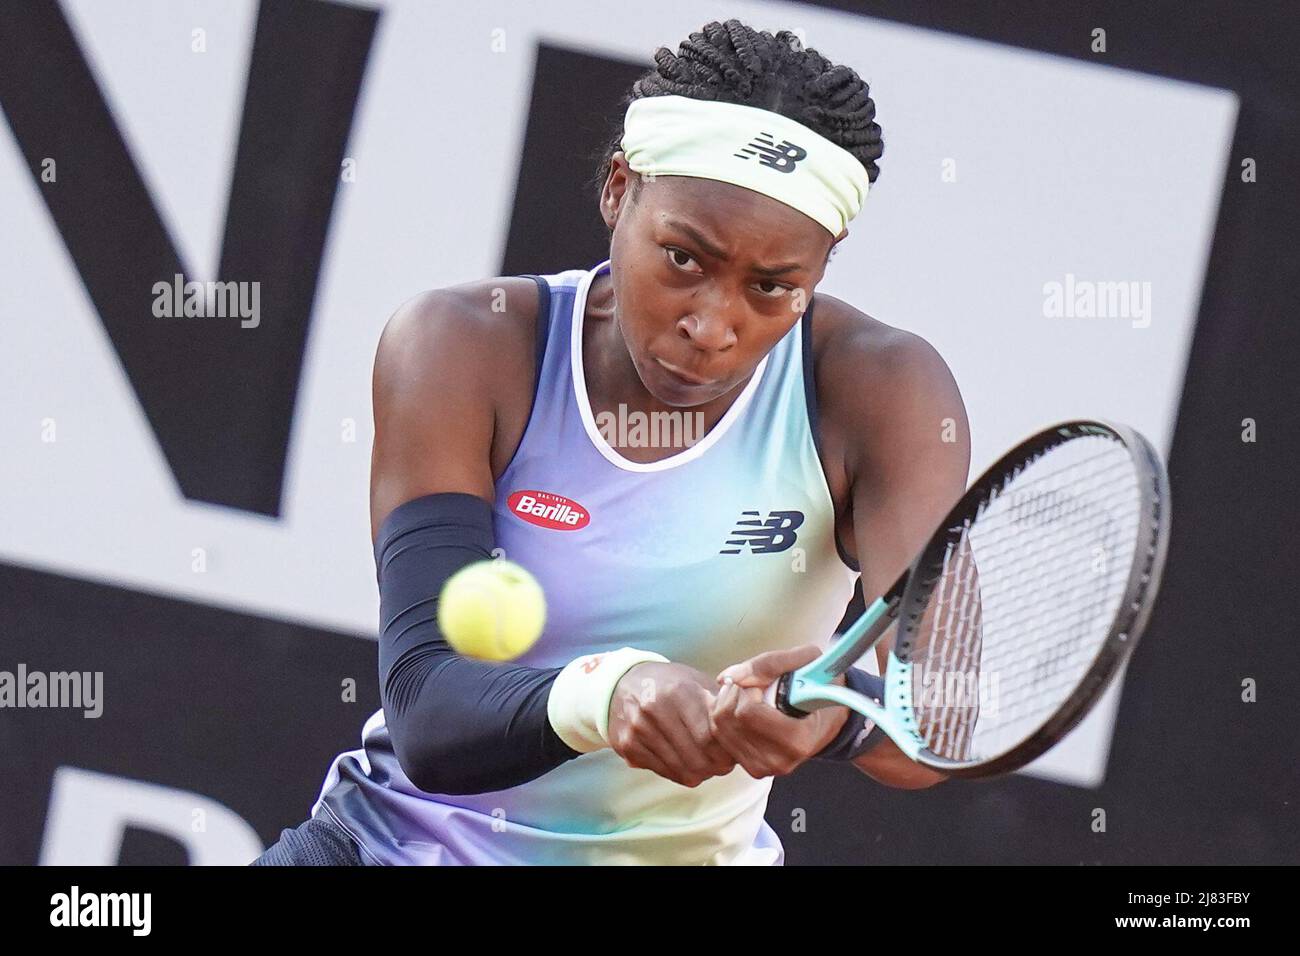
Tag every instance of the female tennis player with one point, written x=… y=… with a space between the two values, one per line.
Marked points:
x=680 y=581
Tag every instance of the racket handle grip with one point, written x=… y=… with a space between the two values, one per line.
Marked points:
x=778 y=695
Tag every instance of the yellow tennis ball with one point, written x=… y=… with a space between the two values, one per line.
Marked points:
x=492 y=610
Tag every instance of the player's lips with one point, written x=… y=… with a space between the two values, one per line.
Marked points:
x=686 y=378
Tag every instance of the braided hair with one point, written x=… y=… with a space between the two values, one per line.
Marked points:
x=733 y=63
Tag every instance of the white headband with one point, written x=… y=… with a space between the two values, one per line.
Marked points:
x=746 y=146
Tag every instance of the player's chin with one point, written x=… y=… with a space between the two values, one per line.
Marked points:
x=677 y=392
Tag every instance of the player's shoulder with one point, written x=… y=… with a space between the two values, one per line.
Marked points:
x=858 y=357
x=476 y=317
x=481 y=331
x=878 y=387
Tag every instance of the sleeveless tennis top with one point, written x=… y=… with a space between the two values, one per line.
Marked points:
x=721 y=551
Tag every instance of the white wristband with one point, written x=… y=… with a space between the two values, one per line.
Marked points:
x=578 y=707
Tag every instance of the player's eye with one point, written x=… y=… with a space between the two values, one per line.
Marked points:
x=675 y=256
x=775 y=292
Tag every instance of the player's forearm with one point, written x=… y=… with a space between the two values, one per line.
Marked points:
x=456 y=725
x=464 y=726
x=886 y=764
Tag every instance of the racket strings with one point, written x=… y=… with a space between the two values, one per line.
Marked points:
x=955 y=729
x=1045 y=653
x=1018 y=599
x=1029 y=676
x=1041 y=673
x=1121 y=465
x=1024 y=599
x=1009 y=545
x=1023 y=516
x=948 y=728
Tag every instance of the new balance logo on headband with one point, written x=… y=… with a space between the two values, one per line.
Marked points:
x=780 y=157
x=680 y=136
x=775 y=533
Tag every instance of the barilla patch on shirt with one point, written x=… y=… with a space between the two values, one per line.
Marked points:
x=548 y=510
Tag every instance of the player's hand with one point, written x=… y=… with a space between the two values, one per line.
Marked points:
x=759 y=737
x=659 y=720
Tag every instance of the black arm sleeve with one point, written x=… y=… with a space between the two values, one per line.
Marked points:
x=457 y=725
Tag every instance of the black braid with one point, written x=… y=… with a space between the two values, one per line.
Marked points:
x=733 y=63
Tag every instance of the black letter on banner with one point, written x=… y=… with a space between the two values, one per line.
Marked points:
x=219 y=397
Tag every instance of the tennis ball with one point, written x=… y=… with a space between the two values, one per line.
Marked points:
x=492 y=610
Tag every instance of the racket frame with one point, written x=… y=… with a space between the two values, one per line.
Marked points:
x=811 y=687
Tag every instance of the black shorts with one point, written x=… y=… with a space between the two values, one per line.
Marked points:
x=318 y=842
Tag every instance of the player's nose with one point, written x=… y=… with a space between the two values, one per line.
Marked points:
x=708 y=331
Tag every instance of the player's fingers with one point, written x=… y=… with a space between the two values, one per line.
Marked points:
x=783 y=740
x=709 y=758
x=720 y=758
x=654 y=751
x=666 y=726
x=640 y=757
x=766 y=723
x=691 y=736
x=766 y=667
x=729 y=730
x=637 y=739
x=696 y=723
x=771 y=738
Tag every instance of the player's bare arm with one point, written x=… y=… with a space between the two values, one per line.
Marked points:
x=447 y=369
x=896 y=407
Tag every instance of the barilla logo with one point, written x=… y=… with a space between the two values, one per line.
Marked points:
x=549 y=511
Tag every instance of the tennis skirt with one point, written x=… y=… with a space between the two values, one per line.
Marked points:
x=318 y=842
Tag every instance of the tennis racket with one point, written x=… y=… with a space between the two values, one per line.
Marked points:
x=1019 y=611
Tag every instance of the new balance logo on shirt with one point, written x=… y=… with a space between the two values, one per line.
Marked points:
x=764 y=536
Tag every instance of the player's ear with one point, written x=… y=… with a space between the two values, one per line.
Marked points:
x=620 y=189
x=844 y=234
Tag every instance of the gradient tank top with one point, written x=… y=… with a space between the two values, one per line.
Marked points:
x=719 y=552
